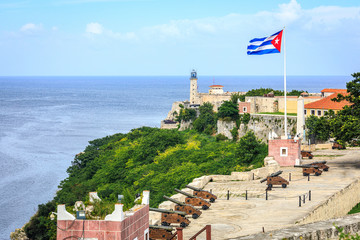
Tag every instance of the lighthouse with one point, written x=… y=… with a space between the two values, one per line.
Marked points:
x=193 y=88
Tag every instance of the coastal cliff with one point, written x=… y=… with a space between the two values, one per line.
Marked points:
x=154 y=159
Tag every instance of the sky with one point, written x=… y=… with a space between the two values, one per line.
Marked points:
x=171 y=37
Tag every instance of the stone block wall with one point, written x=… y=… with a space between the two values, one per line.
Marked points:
x=292 y=148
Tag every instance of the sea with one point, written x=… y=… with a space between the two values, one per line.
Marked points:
x=46 y=121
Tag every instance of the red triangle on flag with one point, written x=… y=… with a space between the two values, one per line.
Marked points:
x=277 y=41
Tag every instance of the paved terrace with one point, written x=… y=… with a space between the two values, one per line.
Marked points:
x=239 y=217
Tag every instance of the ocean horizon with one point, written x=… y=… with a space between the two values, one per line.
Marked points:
x=46 y=120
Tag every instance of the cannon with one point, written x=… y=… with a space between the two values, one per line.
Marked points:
x=322 y=165
x=310 y=169
x=160 y=232
x=337 y=145
x=202 y=193
x=275 y=179
x=189 y=209
x=168 y=217
x=307 y=154
x=194 y=201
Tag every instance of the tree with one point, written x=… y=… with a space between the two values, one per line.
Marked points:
x=229 y=110
x=206 y=122
x=346 y=124
x=318 y=128
x=251 y=150
x=186 y=115
x=236 y=96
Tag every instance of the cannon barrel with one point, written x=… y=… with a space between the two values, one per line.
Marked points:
x=194 y=188
x=320 y=162
x=174 y=201
x=185 y=193
x=263 y=180
x=161 y=227
x=306 y=166
x=167 y=211
x=276 y=173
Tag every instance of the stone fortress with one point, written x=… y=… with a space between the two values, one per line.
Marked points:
x=264 y=124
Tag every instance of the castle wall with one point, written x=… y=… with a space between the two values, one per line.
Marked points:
x=276 y=104
x=214 y=99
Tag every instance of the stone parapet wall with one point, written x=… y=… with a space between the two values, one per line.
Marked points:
x=337 y=205
x=315 y=231
x=202 y=181
x=164 y=125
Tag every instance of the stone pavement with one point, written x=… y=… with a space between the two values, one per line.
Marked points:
x=239 y=217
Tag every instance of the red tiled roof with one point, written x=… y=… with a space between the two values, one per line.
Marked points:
x=216 y=86
x=334 y=90
x=326 y=103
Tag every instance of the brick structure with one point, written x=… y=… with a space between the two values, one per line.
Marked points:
x=116 y=226
x=244 y=107
x=286 y=152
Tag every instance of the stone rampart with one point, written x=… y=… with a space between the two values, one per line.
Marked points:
x=337 y=205
x=313 y=231
x=202 y=181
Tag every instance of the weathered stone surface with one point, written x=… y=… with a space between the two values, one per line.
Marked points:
x=224 y=127
x=313 y=231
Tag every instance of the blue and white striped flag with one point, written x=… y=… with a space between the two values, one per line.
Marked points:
x=266 y=45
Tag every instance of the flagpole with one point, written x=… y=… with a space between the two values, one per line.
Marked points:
x=285 y=85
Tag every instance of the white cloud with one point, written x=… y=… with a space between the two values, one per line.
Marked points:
x=31 y=27
x=98 y=29
x=94 y=28
x=317 y=20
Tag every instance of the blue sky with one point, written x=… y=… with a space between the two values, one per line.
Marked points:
x=170 y=37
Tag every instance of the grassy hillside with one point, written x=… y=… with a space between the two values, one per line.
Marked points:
x=145 y=159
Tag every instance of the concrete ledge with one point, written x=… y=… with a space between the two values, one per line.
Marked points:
x=313 y=231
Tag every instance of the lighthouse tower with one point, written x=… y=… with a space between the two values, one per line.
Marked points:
x=193 y=88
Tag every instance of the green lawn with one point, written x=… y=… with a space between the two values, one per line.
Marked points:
x=278 y=113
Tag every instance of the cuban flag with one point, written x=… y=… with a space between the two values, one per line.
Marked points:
x=266 y=45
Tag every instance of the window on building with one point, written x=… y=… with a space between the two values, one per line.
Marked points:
x=244 y=109
x=312 y=112
x=325 y=111
x=305 y=111
x=146 y=234
x=319 y=112
x=283 y=151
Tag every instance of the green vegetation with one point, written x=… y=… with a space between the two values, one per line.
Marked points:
x=355 y=209
x=206 y=122
x=228 y=111
x=318 y=128
x=278 y=113
x=146 y=158
x=346 y=236
x=262 y=91
x=186 y=114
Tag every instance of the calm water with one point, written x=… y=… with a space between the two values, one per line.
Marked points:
x=45 y=121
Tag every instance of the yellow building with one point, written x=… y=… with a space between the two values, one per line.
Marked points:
x=320 y=107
